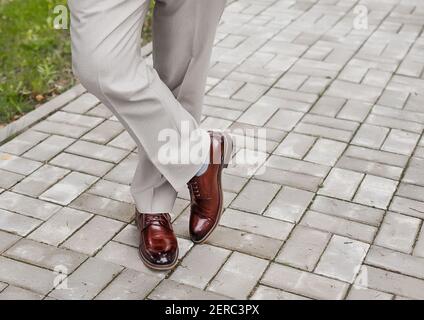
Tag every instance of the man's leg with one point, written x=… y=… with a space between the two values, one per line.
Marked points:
x=184 y=32
x=106 y=48
x=107 y=59
x=183 y=36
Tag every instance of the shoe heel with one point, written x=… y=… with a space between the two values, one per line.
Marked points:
x=228 y=149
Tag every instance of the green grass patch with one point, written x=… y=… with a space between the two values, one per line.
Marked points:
x=35 y=58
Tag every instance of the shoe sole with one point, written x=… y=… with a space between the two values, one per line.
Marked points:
x=225 y=159
x=159 y=267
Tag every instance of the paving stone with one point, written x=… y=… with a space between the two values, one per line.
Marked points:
x=315 y=85
x=226 y=103
x=370 y=136
x=75 y=119
x=69 y=188
x=394 y=123
x=93 y=235
x=104 y=207
x=226 y=88
x=401 y=142
x=370 y=167
x=347 y=228
x=414 y=172
x=303 y=283
x=27 y=206
x=59 y=227
x=61 y=129
x=16 y=293
x=39 y=181
x=49 y=148
x=171 y=290
x=291 y=179
x=16 y=223
x=82 y=104
x=407 y=206
x=123 y=141
x=254 y=131
x=348 y=210
x=238 y=276
x=352 y=107
x=45 y=256
x=129 y=285
x=104 y=132
x=214 y=123
x=304 y=248
x=325 y=132
x=295 y=146
x=258 y=114
x=256 y=224
x=3 y=286
x=348 y=90
x=196 y=271
x=404 y=115
x=398 y=232
x=255 y=197
x=232 y=183
x=124 y=171
x=112 y=190
x=291 y=81
x=18 y=165
x=391 y=282
x=359 y=293
x=128 y=235
x=86 y=282
x=355 y=110
x=298 y=166
x=325 y=152
x=97 y=151
x=411 y=191
x=267 y=293
x=290 y=204
x=328 y=106
x=375 y=191
x=395 y=99
x=341 y=184
x=249 y=243
x=9 y=179
x=85 y=165
x=396 y=261
x=7 y=240
x=342 y=258
x=226 y=114
x=23 y=142
x=377 y=78
x=284 y=120
x=377 y=156
x=26 y=276
x=419 y=246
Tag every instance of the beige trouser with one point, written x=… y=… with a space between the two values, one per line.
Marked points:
x=106 y=49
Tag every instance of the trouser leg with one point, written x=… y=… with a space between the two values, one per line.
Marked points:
x=183 y=33
x=106 y=54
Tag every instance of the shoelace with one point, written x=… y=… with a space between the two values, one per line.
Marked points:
x=195 y=188
x=158 y=220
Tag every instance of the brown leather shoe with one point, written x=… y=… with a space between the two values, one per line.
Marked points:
x=206 y=190
x=158 y=245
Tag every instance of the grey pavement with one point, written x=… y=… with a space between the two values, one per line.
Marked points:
x=335 y=210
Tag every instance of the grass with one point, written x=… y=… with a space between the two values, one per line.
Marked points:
x=35 y=58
